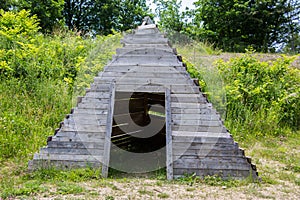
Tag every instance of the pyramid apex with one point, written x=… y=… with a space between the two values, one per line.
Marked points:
x=147 y=21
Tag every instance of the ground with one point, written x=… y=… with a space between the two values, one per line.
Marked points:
x=278 y=167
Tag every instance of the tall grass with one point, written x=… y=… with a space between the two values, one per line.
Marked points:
x=29 y=116
x=255 y=98
x=40 y=76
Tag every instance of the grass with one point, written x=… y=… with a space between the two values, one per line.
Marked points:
x=278 y=168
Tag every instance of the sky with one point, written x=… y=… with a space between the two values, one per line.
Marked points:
x=188 y=3
x=184 y=4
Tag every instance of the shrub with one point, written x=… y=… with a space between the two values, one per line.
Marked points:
x=263 y=96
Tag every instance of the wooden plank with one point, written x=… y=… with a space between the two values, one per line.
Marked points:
x=145 y=50
x=68 y=157
x=199 y=99
x=190 y=105
x=89 y=111
x=151 y=63
x=84 y=127
x=169 y=145
x=197 y=122
x=203 y=128
x=80 y=138
x=107 y=144
x=100 y=87
x=200 y=111
x=153 y=35
x=145 y=41
x=61 y=164
x=75 y=134
x=145 y=68
x=75 y=145
x=88 y=116
x=204 y=117
x=217 y=163
x=128 y=95
x=84 y=121
x=93 y=105
x=67 y=151
x=180 y=80
x=200 y=134
x=158 y=88
x=204 y=140
x=224 y=173
x=183 y=146
x=151 y=60
x=95 y=100
x=177 y=154
x=146 y=31
x=139 y=74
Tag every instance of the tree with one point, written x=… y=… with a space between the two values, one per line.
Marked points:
x=293 y=34
x=102 y=16
x=170 y=17
x=131 y=13
x=233 y=25
x=175 y=22
x=49 y=12
x=5 y=4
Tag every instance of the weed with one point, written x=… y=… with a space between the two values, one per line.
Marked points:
x=69 y=188
x=145 y=192
x=163 y=195
x=109 y=198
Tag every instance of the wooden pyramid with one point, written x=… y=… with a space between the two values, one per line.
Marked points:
x=145 y=89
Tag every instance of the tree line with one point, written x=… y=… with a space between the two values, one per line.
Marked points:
x=85 y=16
x=231 y=25
x=234 y=25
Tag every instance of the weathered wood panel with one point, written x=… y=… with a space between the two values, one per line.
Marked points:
x=63 y=157
x=77 y=145
x=203 y=128
x=169 y=144
x=69 y=151
x=107 y=142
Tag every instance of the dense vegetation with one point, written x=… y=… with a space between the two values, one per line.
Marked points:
x=39 y=77
x=231 y=25
x=262 y=96
x=85 y=16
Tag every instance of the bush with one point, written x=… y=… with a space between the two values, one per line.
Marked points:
x=263 y=97
x=39 y=76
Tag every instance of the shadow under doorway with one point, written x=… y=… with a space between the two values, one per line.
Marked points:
x=138 y=139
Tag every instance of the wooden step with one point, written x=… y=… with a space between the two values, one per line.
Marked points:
x=203 y=128
x=146 y=51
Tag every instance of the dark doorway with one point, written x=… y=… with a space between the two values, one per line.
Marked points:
x=138 y=132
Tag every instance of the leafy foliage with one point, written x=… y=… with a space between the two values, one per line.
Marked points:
x=39 y=75
x=266 y=91
x=102 y=17
x=235 y=25
x=49 y=12
x=173 y=20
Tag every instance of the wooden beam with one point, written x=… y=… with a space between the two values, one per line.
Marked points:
x=107 y=144
x=169 y=157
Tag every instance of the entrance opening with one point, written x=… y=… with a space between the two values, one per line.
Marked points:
x=138 y=132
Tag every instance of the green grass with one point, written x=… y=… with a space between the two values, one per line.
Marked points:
x=163 y=195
